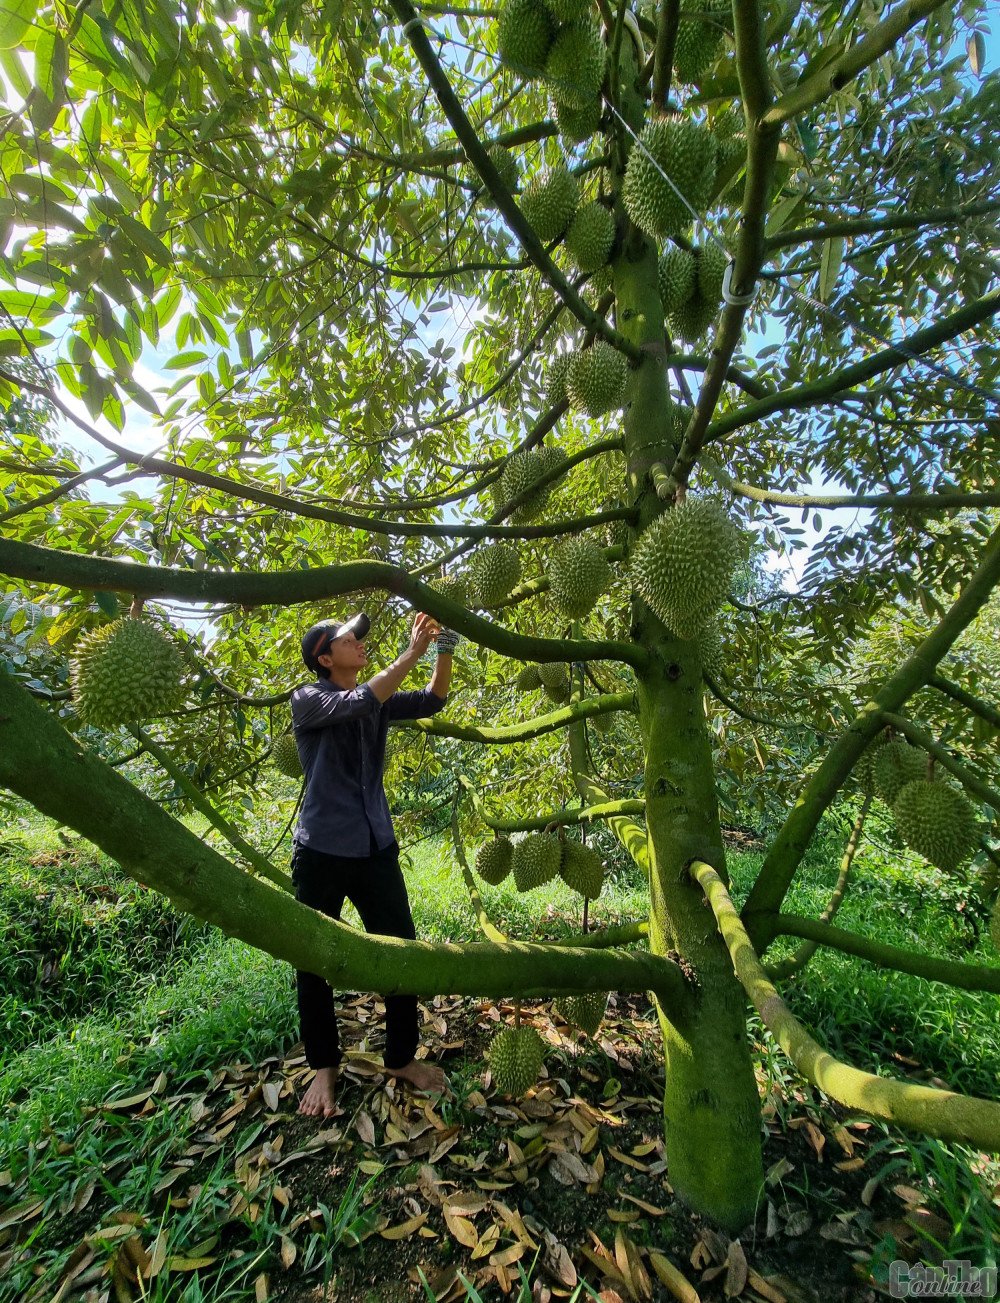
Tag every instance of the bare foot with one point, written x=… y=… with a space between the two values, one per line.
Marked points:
x=422 y=1076
x=319 y=1098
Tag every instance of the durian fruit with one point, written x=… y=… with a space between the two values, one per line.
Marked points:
x=697 y=45
x=454 y=587
x=575 y=67
x=937 y=821
x=528 y=680
x=506 y=164
x=553 y=674
x=522 y=471
x=865 y=768
x=536 y=860
x=604 y=722
x=597 y=378
x=683 y=564
x=555 y=379
x=676 y=274
x=590 y=236
x=493 y=571
x=577 y=125
x=559 y=694
x=568 y=11
x=897 y=764
x=125 y=672
x=494 y=860
x=583 y=1011
x=690 y=319
x=601 y=282
x=685 y=152
x=285 y=756
x=515 y=1057
x=582 y=869
x=710 y=649
x=525 y=31
x=550 y=202
x=615 y=531
x=578 y=574
x=712 y=260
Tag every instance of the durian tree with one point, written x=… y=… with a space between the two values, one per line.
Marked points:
x=539 y=320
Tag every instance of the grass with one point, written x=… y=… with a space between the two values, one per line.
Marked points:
x=140 y=991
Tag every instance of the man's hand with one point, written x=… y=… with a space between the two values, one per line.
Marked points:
x=425 y=631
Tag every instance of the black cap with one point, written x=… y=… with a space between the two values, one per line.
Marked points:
x=316 y=641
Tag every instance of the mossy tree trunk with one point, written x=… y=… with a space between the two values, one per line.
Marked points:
x=711 y=1104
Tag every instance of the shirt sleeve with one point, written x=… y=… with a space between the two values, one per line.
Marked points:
x=414 y=705
x=314 y=708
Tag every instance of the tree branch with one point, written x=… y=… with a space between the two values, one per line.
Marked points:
x=966 y=977
x=978 y=707
x=948 y=501
x=527 y=729
x=585 y=814
x=835 y=76
x=289 y=587
x=871 y=225
x=668 y=21
x=941 y=1113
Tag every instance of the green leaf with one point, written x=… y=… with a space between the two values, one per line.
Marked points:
x=108 y=603
x=16 y=16
x=143 y=238
x=975 y=47
x=180 y=361
x=830 y=263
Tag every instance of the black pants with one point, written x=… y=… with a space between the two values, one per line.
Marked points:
x=374 y=885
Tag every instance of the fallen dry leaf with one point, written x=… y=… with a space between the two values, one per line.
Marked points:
x=673 y=1278
x=736 y=1271
x=405 y=1229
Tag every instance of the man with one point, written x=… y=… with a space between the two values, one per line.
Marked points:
x=345 y=846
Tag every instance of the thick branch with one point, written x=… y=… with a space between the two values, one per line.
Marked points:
x=668 y=21
x=784 y=968
x=529 y=728
x=967 y=977
x=286 y=588
x=835 y=76
x=837 y=382
x=941 y=1113
x=631 y=834
x=978 y=707
x=919 y=737
x=789 y=845
x=42 y=763
x=502 y=198
x=949 y=501
x=871 y=225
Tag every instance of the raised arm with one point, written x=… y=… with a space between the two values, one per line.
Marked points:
x=387 y=681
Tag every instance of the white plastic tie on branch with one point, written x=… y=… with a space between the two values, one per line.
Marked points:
x=737 y=300
x=410 y=23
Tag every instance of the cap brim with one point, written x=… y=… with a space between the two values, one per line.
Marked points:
x=358 y=625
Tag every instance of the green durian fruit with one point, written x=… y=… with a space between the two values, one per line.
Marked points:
x=493 y=571
x=676 y=274
x=553 y=674
x=897 y=764
x=506 y=164
x=597 y=379
x=528 y=680
x=584 y=1011
x=698 y=43
x=550 y=202
x=285 y=756
x=125 y=672
x=577 y=125
x=575 y=67
x=522 y=471
x=669 y=150
x=515 y=1057
x=495 y=860
x=578 y=574
x=536 y=860
x=555 y=379
x=582 y=869
x=683 y=564
x=590 y=236
x=525 y=31
x=937 y=821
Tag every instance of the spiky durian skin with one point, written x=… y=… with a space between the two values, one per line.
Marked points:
x=582 y=869
x=697 y=45
x=522 y=471
x=676 y=273
x=710 y=649
x=536 y=860
x=683 y=564
x=864 y=770
x=578 y=574
x=684 y=151
x=711 y=261
x=597 y=379
x=690 y=321
x=125 y=672
x=575 y=67
x=937 y=821
x=897 y=764
x=577 y=125
x=604 y=722
x=528 y=680
x=506 y=164
x=515 y=1057
x=550 y=202
x=553 y=674
x=495 y=860
x=568 y=11
x=493 y=572
x=584 y=1011
x=590 y=236
x=285 y=756
x=555 y=378
x=559 y=694
x=454 y=587
x=525 y=31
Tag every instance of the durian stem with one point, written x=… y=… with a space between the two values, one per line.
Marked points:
x=517 y=1013
x=941 y=755
x=941 y=1113
x=135 y=610
x=785 y=968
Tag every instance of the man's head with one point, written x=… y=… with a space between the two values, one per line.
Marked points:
x=332 y=646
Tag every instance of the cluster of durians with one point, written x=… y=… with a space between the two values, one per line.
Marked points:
x=515 y=1055
x=932 y=814
x=538 y=858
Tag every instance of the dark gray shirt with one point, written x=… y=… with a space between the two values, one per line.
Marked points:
x=340 y=734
